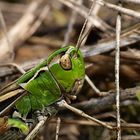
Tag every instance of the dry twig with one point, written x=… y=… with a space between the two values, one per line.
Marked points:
x=120 y=9
x=132 y=1
x=128 y=37
x=99 y=104
x=96 y=21
x=117 y=74
x=17 y=34
x=89 y=123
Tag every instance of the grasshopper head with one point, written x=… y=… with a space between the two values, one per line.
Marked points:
x=69 y=71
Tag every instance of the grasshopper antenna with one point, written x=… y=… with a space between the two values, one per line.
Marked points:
x=80 y=39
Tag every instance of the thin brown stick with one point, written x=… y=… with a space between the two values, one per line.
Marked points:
x=96 y=21
x=89 y=26
x=131 y=137
x=57 y=128
x=98 y=105
x=117 y=73
x=7 y=40
x=70 y=26
x=13 y=7
x=127 y=38
x=2 y=113
x=89 y=123
x=34 y=132
x=63 y=103
x=120 y=9
x=132 y=1
x=20 y=69
x=46 y=41
x=22 y=30
x=10 y=94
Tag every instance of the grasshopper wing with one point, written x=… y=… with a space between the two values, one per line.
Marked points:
x=43 y=91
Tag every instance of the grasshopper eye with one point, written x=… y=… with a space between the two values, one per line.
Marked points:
x=65 y=62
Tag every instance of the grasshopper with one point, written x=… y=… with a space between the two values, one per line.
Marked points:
x=55 y=81
x=47 y=81
x=50 y=82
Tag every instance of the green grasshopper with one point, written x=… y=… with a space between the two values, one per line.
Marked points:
x=49 y=82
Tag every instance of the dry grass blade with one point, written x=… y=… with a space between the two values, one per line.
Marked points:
x=8 y=7
x=133 y=1
x=63 y=103
x=34 y=132
x=16 y=35
x=121 y=9
x=70 y=26
x=128 y=37
x=130 y=137
x=2 y=113
x=117 y=74
x=57 y=128
x=100 y=104
x=89 y=26
x=89 y=123
x=22 y=71
x=7 y=40
x=96 y=21
x=10 y=94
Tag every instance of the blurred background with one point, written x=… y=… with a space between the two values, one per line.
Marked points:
x=35 y=29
